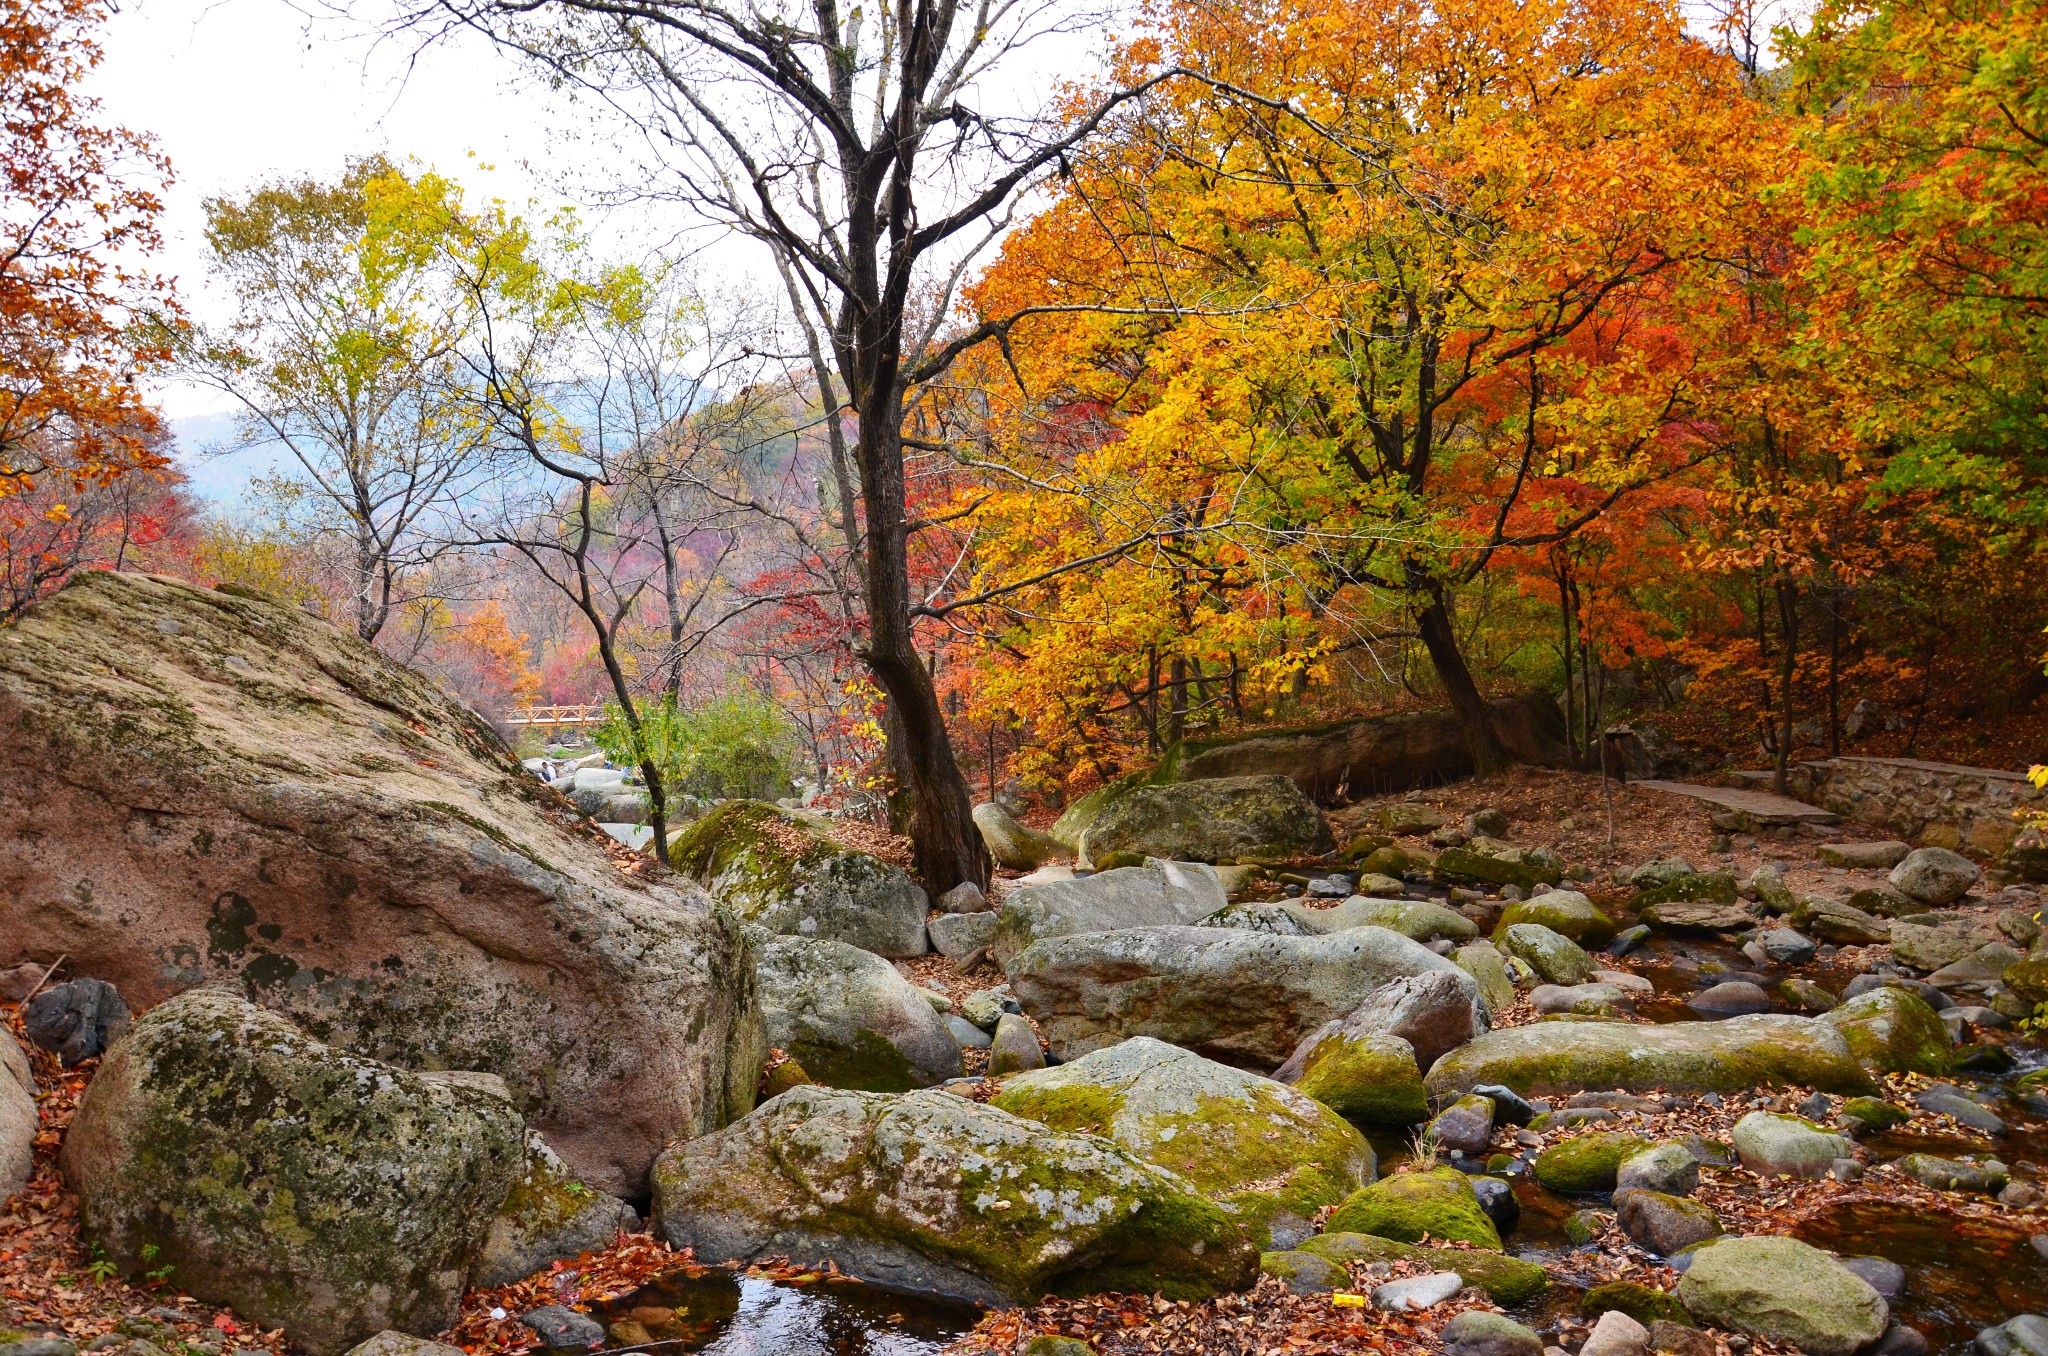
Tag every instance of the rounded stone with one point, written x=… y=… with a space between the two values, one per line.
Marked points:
x=1783 y=1290
x=1410 y=1206
x=1587 y=1162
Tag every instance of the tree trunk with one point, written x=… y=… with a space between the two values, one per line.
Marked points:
x=1440 y=638
x=945 y=844
x=1788 y=669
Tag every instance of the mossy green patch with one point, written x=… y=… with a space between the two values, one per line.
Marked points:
x=1507 y=1280
x=1411 y=1206
x=1372 y=1080
x=1646 y=1304
x=1587 y=1162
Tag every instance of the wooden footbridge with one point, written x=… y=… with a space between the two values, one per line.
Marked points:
x=592 y=714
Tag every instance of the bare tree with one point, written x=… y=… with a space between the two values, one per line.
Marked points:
x=849 y=142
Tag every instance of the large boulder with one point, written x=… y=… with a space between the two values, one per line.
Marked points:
x=1016 y=846
x=19 y=1119
x=216 y=788
x=1221 y=819
x=1893 y=1031
x=547 y=1216
x=1928 y=949
x=850 y=1019
x=1371 y=1078
x=1935 y=876
x=1565 y=912
x=308 y=1188
x=1555 y=958
x=1433 y=1012
x=1157 y=894
x=1410 y=1206
x=1784 y=1290
x=1489 y=861
x=1560 y=1058
x=929 y=1191
x=1243 y=998
x=1378 y=753
x=778 y=868
x=1266 y=1153
x=1421 y=920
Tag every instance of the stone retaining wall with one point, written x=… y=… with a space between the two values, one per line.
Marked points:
x=1938 y=804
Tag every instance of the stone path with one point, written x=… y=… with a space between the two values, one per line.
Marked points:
x=1761 y=806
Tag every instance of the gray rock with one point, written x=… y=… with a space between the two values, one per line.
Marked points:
x=1783 y=946
x=1616 y=1334
x=1949 y=1174
x=1735 y=1055
x=2024 y=1335
x=1411 y=1294
x=960 y=937
x=849 y=1018
x=777 y=868
x=1433 y=1011
x=1269 y=1155
x=1419 y=919
x=340 y=1196
x=1982 y=968
x=1664 y=1224
x=1919 y=988
x=1595 y=998
x=931 y=1191
x=1016 y=846
x=1784 y=1290
x=1735 y=997
x=1211 y=820
x=1157 y=894
x=1669 y=1168
x=1930 y=948
x=1484 y=962
x=1886 y=1277
x=1628 y=939
x=75 y=1020
x=964 y=898
x=1465 y=1126
x=985 y=1007
x=1285 y=919
x=1948 y=1102
x=393 y=1343
x=1014 y=1048
x=1481 y=1332
x=967 y=1035
x=1767 y=887
x=548 y=1215
x=1864 y=856
x=1830 y=920
x=1787 y=1145
x=1935 y=876
x=1239 y=997
x=558 y=1327
x=1555 y=958
x=20 y=1121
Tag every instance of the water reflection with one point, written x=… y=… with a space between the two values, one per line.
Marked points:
x=721 y=1313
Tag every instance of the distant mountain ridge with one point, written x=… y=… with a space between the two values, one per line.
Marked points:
x=220 y=481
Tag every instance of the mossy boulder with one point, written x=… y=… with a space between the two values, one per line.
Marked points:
x=1506 y=1280
x=1789 y=1146
x=1370 y=1078
x=1303 y=1273
x=547 y=1216
x=230 y=792
x=1555 y=958
x=778 y=868
x=1411 y=1206
x=1646 y=1304
x=2028 y=979
x=929 y=1191
x=1693 y=887
x=1270 y=1155
x=1565 y=912
x=1739 y=1054
x=1016 y=846
x=1485 y=861
x=1489 y=968
x=1215 y=819
x=849 y=1018
x=1893 y=1031
x=1419 y=919
x=1385 y=860
x=1587 y=1162
x=1786 y=1291
x=1871 y=1115
x=310 y=1189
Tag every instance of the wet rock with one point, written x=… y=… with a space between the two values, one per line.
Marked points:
x=1270 y=1156
x=1016 y=846
x=1668 y=1167
x=1211 y=820
x=1734 y=998
x=1465 y=1126
x=1156 y=894
x=1807 y=996
x=1887 y=1278
x=1481 y=1332
x=1664 y=1224
x=926 y=1190
x=1788 y=1146
x=340 y=1196
x=1741 y=1053
x=1949 y=1174
x=1565 y=912
x=75 y=1020
x=1783 y=1290
x=960 y=937
x=1014 y=1048
x=1440 y=1204
x=2025 y=1335
x=1698 y=916
x=1900 y=1340
x=1239 y=997
x=1935 y=876
x=1411 y=1294
x=1588 y=1162
x=1892 y=1031
x=1303 y=1273
x=1556 y=959
x=1783 y=946
x=1616 y=1334
x=560 y=1328
x=849 y=1018
x=1863 y=856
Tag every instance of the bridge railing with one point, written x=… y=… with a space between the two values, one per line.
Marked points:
x=592 y=714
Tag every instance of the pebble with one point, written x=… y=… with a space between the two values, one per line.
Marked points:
x=1412 y=1293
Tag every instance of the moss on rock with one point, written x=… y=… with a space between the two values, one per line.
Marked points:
x=1893 y=1031
x=1646 y=1304
x=1370 y=1079
x=1587 y=1162
x=1411 y=1206
x=1506 y=1280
